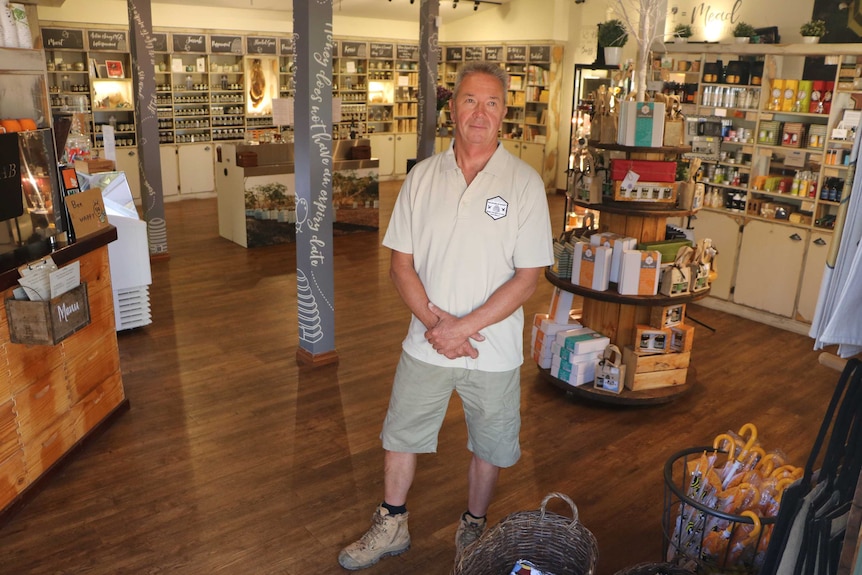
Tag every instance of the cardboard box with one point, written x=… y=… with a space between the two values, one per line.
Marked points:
x=662 y=316
x=618 y=245
x=681 y=337
x=48 y=322
x=591 y=266
x=561 y=305
x=641 y=124
x=650 y=371
x=647 y=171
x=583 y=340
x=94 y=166
x=639 y=272
x=649 y=339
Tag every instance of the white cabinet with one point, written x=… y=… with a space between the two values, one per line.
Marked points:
x=393 y=151
x=723 y=230
x=188 y=169
x=812 y=275
x=170 y=171
x=770 y=261
x=128 y=163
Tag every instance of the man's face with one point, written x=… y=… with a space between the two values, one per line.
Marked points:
x=478 y=109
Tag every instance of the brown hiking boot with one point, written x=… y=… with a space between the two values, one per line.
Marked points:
x=469 y=530
x=388 y=536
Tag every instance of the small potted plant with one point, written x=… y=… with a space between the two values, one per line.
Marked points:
x=743 y=32
x=612 y=37
x=681 y=33
x=812 y=31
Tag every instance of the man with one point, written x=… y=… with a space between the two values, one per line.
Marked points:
x=469 y=234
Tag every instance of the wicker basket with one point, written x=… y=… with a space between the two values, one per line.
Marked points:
x=554 y=543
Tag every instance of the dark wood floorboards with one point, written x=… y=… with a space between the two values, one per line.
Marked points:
x=233 y=460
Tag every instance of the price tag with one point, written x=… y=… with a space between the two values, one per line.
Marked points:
x=720 y=112
x=630 y=180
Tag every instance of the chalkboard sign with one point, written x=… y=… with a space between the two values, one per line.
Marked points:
x=408 y=51
x=493 y=53
x=540 y=54
x=261 y=45
x=473 y=53
x=108 y=40
x=454 y=53
x=160 y=41
x=225 y=45
x=189 y=43
x=353 y=49
x=516 y=53
x=285 y=46
x=378 y=50
x=11 y=199
x=62 y=39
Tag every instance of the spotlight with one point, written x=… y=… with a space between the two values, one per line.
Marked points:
x=411 y=1
x=475 y=5
x=454 y=3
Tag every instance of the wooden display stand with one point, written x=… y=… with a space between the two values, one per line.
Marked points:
x=612 y=314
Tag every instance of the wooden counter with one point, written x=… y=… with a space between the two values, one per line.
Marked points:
x=53 y=397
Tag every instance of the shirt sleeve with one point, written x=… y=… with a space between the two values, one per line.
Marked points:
x=399 y=235
x=535 y=239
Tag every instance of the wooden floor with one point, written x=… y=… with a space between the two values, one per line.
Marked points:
x=233 y=460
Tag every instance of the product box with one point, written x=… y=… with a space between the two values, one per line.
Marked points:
x=650 y=371
x=681 y=337
x=641 y=124
x=618 y=244
x=583 y=340
x=645 y=191
x=649 y=339
x=639 y=272
x=675 y=281
x=647 y=171
x=591 y=266
x=691 y=195
x=561 y=305
x=577 y=373
x=94 y=166
x=662 y=316
x=48 y=322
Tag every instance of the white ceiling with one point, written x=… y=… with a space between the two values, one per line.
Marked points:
x=376 y=9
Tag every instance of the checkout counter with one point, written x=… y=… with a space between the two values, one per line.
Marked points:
x=256 y=189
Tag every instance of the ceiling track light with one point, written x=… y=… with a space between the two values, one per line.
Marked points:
x=475 y=5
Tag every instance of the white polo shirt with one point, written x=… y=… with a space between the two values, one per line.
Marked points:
x=467 y=241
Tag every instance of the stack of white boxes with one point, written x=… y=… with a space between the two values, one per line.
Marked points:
x=575 y=353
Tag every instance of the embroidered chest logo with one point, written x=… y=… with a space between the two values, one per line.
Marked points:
x=496 y=207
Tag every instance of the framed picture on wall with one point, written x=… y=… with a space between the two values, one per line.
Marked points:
x=114 y=68
x=768 y=35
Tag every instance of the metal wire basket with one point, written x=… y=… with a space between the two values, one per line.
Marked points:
x=703 y=539
x=554 y=543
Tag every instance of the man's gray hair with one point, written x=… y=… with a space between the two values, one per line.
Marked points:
x=481 y=67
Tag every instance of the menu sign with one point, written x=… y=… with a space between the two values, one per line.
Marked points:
x=472 y=53
x=225 y=45
x=378 y=50
x=189 y=43
x=62 y=39
x=516 y=53
x=160 y=41
x=408 y=51
x=540 y=54
x=108 y=40
x=493 y=53
x=353 y=49
x=285 y=46
x=454 y=53
x=261 y=45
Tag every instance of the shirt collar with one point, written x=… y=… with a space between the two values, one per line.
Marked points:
x=496 y=163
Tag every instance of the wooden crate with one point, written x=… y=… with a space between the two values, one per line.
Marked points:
x=651 y=371
x=48 y=322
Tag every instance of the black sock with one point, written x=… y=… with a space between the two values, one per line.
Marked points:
x=466 y=513
x=395 y=509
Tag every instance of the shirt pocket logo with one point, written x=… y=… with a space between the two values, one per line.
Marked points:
x=496 y=207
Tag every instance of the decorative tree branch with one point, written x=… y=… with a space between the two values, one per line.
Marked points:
x=642 y=19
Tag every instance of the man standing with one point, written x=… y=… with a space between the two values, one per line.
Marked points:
x=469 y=234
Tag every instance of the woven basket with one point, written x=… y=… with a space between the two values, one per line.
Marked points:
x=554 y=543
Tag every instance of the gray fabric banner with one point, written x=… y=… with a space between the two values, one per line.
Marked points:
x=312 y=24
x=146 y=122
x=429 y=11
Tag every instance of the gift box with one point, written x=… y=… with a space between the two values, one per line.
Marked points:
x=675 y=280
x=652 y=171
x=639 y=272
x=662 y=316
x=618 y=245
x=649 y=339
x=591 y=266
x=681 y=337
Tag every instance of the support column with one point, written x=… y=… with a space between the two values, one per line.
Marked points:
x=315 y=290
x=147 y=125
x=429 y=56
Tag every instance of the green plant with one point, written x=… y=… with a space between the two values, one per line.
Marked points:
x=813 y=28
x=743 y=30
x=612 y=34
x=682 y=31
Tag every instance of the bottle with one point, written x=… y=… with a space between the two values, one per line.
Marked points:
x=65 y=83
x=112 y=121
x=189 y=82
